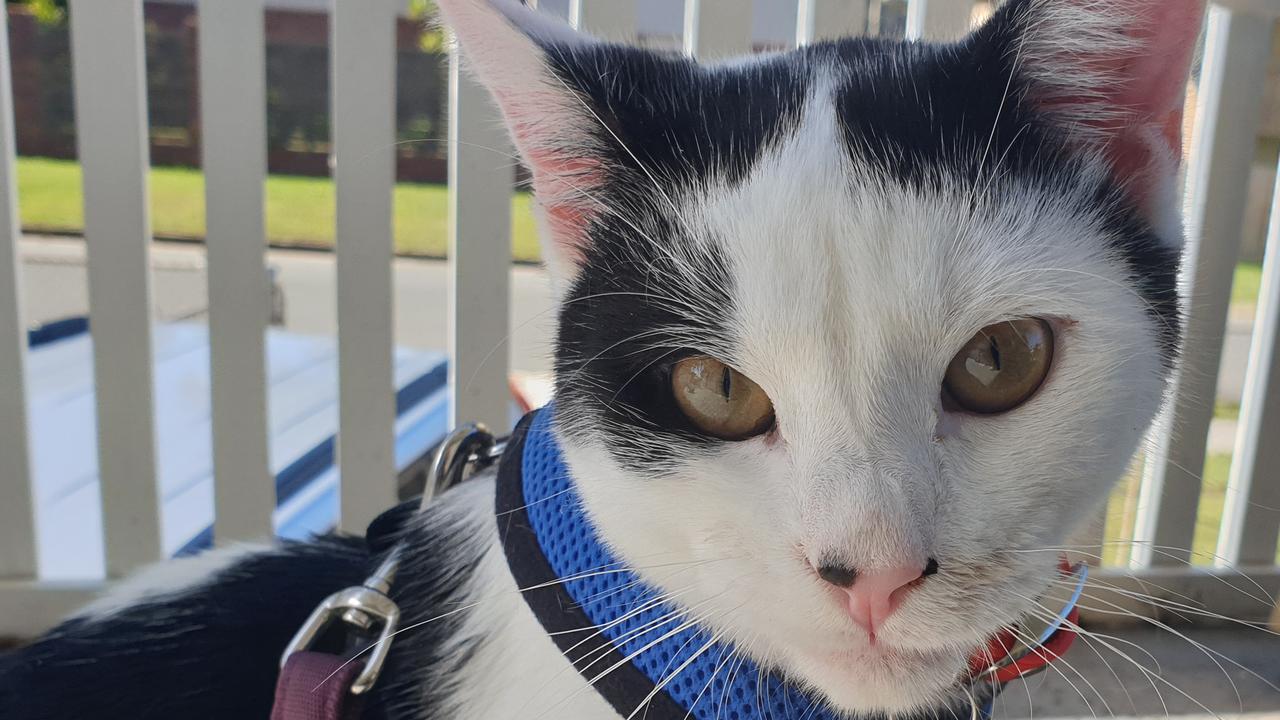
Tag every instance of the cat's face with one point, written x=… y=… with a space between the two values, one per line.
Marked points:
x=774 y=273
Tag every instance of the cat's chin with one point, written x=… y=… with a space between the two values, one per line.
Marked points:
x=886 y=680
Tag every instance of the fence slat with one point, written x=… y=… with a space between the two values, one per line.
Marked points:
x=606 y=19
x=17 y=519
x=1251 y=516
x=829 y=19
x=717 y=28
x=1264 y=8
x=111 y=127
x=363 y=67
x=480 y=181
x=1237 y=49
x=938 y=19
x=233 y=135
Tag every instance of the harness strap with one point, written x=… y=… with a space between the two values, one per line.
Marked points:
x=317 y=686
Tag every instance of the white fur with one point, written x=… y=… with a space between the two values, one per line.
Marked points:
x=848 y=321
x=167 y=578
x=516 y=671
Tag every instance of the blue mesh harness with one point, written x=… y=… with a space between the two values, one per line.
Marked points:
x=645 y=659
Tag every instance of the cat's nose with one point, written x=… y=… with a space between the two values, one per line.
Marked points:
x=874 y=595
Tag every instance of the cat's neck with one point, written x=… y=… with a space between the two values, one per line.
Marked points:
x=513 y=670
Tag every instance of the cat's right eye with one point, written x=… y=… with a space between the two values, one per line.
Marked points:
x=1001 y=367
x=719 y=400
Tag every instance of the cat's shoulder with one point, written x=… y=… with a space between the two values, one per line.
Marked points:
x=201 y=637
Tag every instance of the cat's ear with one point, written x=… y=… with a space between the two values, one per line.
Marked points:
x=509 y=47
x=1114 y=73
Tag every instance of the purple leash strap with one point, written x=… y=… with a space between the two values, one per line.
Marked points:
x=323 y=686
x=317 y=686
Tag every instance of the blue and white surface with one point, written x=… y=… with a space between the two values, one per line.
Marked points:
x=302 y=420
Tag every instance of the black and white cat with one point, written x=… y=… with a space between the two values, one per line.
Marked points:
x=851 y=338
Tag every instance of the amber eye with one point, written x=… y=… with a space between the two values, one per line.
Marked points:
x=1001 y=367
x=719 y=400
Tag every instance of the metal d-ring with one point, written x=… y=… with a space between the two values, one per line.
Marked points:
x=470 y=447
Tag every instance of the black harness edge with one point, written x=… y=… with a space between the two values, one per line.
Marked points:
x=626 y=687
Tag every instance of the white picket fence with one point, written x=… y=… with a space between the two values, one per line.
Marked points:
x=107 y=47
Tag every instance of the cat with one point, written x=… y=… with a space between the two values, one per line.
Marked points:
x=851 y=337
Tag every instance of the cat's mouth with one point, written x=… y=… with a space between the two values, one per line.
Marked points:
x=889 y=679
x=891 y=658
x=871 y=675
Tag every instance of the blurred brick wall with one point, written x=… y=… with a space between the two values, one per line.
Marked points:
x=297 y=88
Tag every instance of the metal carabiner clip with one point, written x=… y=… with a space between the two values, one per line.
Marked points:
x=367 y=608
x=362 y=609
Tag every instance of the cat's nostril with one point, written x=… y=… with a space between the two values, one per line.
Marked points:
x=930 y=568
x=837 y=575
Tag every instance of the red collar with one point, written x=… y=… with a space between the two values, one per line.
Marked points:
x=1004 y=659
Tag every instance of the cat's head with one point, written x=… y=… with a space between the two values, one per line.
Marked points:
x=853 y=336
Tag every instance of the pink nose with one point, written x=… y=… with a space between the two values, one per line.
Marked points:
x=877 y=593
x=874 y=595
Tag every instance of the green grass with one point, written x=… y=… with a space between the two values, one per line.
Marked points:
x=1122 y=510
x=300 y=210
x=1213 y=494
x=1247 y=283
x=1224 y=410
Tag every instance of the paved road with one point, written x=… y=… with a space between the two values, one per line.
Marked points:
x=55 y=286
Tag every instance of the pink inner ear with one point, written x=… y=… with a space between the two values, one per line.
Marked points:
x=1154 y=79
x=567 y=189
x=566 y=175
x=502 y=41
x=1149 y=91
x=1157 y=71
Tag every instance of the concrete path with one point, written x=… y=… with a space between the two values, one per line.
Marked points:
x=1187 y=680
x=55 y=287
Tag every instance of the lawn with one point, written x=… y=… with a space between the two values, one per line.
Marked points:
x=1244 y=290
x=300 y=210
x=1122 y=511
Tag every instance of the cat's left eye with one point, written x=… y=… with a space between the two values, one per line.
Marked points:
x=719 y=400
x=1001 y=367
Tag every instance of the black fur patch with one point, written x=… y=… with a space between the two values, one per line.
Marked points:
x=628 y=318
x=670 y=126
x=213 y=652
x=210 y=653
x=669 y=118
x=922 y=113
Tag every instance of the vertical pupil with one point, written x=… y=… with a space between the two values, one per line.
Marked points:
x=995 y=353
x=726 y=382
